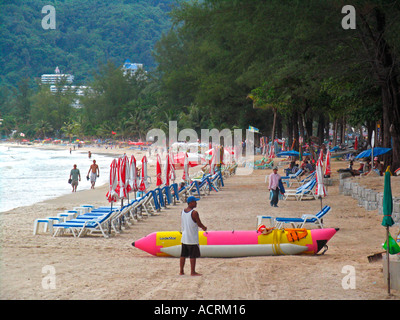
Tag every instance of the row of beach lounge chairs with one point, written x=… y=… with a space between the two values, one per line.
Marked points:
x=105 y=220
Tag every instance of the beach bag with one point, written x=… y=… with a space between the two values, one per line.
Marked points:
x=69 y=181
x=280 y=196
x=394 y=247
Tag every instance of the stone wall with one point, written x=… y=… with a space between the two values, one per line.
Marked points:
x=367 y=198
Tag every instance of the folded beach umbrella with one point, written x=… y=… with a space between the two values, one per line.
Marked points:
x=158 y=171
x=387 y=201
x=111 y=194
x=272 y=152
x=387 y=218
x=127 y=175
x=356 y=144
x=185 y=176
x=172 y=175
x=143 y=178
x=133 y=175
x=328 y=163
x=167 y=170
x=320 y=188
x=121 y=188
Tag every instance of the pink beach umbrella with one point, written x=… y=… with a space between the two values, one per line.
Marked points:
x=143 y=178
x=158 y=171
x=112 y=194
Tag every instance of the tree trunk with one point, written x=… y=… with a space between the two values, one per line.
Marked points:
x=295 y=119
x=273 y=125
x=384 y=65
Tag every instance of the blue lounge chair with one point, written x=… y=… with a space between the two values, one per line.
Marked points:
x=292 y=177
x=279 y=222
x=304 y=191
x=305 y=218
x=80 y=227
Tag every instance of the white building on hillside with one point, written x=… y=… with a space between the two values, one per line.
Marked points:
x=53 y=78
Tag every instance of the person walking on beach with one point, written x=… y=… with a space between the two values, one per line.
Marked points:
x=274 y=186
x=190 y=221
x=75 y=175
x=94 y=168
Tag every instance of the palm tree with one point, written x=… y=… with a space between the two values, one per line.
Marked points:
x=70 y=129
x=42 y=127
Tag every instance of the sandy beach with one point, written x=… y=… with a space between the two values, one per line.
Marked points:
x=94 y=267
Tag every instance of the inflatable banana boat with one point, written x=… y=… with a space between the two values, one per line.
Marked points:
x=240 y=243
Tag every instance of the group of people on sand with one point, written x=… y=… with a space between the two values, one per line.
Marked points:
x=92 y=175
x=365 y=168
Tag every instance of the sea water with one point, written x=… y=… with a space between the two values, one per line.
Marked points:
x=31 y=175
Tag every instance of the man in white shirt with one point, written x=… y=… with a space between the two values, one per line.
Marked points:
x=190 y=236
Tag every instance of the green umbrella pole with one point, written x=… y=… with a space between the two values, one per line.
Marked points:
x=388 y=258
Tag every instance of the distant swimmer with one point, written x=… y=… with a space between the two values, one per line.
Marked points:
x=95 y=173
x=75 y=175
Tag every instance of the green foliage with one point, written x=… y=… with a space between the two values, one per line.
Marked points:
x=88 y=32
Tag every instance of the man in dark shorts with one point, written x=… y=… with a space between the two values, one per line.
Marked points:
x=190 y=236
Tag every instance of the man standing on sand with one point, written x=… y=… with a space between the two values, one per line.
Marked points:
x=94 y=168
x=74 y=176
x=274 y=186
x=190 y=236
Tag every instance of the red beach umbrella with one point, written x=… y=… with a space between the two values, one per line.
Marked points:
x=111 y=194
x=133 y=175
x=143 y=178
x=159 y=180
x=328 y=163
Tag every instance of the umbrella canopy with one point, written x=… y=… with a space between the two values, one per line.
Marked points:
x=320 y=188
x=143 y=178
x=133 y=175
x=193 y=158
x=111 y=194
x=328 y=163
x=387 y=202
x=291 y=153
x=377 y=152
x=158 y=171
